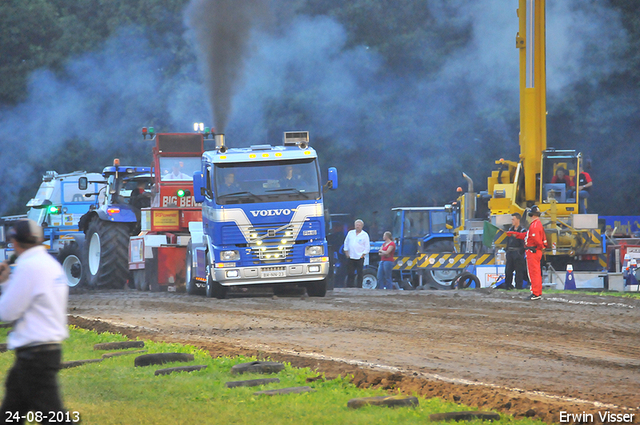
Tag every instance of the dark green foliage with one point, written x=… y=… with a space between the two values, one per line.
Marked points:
x=393 y=163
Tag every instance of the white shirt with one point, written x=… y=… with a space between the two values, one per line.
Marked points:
x=35 y=296
x=356 y=244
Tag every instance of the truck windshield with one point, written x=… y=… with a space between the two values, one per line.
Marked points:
x=179 y=168
x=44 y=193
x=268 y=181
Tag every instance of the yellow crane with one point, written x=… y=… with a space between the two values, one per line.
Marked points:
x=536 y=177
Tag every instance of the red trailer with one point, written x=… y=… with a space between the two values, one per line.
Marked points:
x=157 y=254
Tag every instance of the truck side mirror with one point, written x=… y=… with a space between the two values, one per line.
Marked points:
x=83 y=183
x=333 y=177
x=198 y=187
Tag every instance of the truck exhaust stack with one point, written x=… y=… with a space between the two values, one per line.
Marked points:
x=220 y=146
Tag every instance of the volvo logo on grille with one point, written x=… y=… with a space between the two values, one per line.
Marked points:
x=265 y=213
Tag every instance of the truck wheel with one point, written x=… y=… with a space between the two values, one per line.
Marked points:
x=70 y=257
x=140 y=279
x=190 y=280
x=107 y=253
x=370 y=278
x=317 y=288
x=214 y=289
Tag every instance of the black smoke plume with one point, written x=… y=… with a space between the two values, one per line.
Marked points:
x=223 y=29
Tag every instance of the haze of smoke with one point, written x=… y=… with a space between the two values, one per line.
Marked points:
x=102 y=99
x=222 y=29
x=410 y=130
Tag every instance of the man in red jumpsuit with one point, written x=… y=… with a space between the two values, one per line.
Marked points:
x=535 y=242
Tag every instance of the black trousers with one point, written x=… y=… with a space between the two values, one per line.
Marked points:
x=354 y=265
x=32 y=385
x=515 y=263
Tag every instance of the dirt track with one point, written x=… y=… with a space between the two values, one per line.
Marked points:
x=489 y=349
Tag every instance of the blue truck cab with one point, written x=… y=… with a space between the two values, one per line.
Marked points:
x=262 y=218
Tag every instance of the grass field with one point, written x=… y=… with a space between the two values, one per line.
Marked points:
x=115 y=392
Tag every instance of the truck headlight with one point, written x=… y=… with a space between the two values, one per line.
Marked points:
x=229 y=256
x=313 y=251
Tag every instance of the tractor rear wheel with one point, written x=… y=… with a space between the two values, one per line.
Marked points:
x=439 y=278
x=107 y=254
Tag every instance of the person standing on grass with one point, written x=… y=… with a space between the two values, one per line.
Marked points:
x=385 y=267
x=356 y=247
x=34 y=297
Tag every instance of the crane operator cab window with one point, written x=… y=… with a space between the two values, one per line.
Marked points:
x=559 y=171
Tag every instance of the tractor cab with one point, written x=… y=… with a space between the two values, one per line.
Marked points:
x=423 y=229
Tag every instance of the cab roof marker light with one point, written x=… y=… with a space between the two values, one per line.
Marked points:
x=278 y=154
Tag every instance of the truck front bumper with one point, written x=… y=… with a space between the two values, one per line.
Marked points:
x=267 y=274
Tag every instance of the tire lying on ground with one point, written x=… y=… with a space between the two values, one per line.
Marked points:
x=107 y=254
x=76 y=363
x=389 y=401
x=464 y=416
x=118 y=345
x=252 y=382
x=171 y=370
x=466 y=280
x=162 y=358
x=257 y=367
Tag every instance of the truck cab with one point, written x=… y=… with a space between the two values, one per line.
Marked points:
x=262 y=218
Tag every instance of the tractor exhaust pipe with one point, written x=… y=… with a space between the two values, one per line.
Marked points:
x=469 y=199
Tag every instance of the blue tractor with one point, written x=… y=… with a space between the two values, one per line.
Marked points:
x=58 y=206
x=114 y=219
x=418 y=230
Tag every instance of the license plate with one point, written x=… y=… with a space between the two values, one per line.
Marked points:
x=279 y=273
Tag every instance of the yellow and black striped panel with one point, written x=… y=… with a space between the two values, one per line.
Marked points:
x=442 y=261
x=602 y=260
x=501 y=238
x=594 y=237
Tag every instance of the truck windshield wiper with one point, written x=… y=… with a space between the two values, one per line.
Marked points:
x=286 y=189
x=240 y=195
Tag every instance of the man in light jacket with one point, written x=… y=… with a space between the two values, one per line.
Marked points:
x=356 y=247
x=34 y=297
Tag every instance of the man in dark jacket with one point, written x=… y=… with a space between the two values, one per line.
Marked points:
x=515 y=253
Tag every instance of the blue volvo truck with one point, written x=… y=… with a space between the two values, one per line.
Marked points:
x=262 y=218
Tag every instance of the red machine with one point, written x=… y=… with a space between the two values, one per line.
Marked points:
x=156 y=255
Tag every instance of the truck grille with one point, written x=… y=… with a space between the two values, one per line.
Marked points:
x=270 y=243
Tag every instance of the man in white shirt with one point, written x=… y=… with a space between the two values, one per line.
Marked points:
x=34 y=297
x=356 y=247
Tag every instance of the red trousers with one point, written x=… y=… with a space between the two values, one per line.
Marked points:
x=535 y=275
